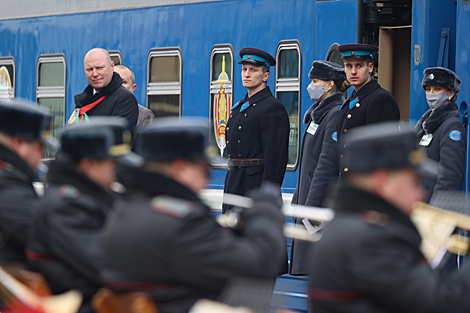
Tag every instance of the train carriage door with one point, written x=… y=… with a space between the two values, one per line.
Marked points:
x=394 y=65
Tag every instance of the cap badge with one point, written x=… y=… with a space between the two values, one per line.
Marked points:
x=431 y=77
x=249 y=57
x=353 y=53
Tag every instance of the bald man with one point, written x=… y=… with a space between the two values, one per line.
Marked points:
x=104 y=94
x=145 y=115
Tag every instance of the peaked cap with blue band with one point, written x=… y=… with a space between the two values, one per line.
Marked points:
x=326 y=70
x=441 y=77
x=360 y=51
x=256 y=57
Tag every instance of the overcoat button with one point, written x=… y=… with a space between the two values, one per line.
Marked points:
x=357 y=105
x=349 y=115
x=239 y=128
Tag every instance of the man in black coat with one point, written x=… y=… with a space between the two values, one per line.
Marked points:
x=369 y=258
x=66 y=238
x=441 y=132
x=369 y=103
x=257 y=130
x=23 y=128
x=163 y=240
x=105 y=94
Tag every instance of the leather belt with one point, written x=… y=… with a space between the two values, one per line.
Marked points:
x=245 y=162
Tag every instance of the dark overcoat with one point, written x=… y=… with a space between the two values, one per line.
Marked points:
x=369 y=260
x=66 y=237
x=18 y=204
x=163 y=240
x=119 y=101
x=447 y=147
x=319 y=165
x=258 y=128
x=371 y=104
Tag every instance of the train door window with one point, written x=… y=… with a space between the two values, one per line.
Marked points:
x=288 y=73
x=115 y=57
x=333 y=55
x=50 y=91
x=220 y=94
x=164 y=70
x=7 y=78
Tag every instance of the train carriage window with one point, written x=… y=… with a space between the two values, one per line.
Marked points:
x=220 y=94
x=50 y=91
x=7 y=78
x=288 y=73
x=115 y=57
x=164 y=82
x=333 y=55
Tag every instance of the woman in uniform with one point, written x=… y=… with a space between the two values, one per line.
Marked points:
x=319 y=163
x=441 y=132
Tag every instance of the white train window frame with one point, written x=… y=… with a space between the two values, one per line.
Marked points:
x=8 y=92
x=53 y=92
x=115 y=54
x=291 y=84
x=165 y=88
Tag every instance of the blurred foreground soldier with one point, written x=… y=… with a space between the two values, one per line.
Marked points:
x=163 y=240
x=23 y=128
x=369 y=103
x=441 y=132
x=257 y=130
x=319 y=162
x=66 y=238
x=369 y=257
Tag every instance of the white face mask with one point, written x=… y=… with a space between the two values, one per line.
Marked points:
x=437 y=100
x=316 y=91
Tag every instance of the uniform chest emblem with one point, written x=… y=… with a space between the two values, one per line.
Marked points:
x=69 y=191
x=334 y=136
x=170 y=206
x=455 y=135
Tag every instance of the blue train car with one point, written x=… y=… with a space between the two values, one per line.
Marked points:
x=184 y=54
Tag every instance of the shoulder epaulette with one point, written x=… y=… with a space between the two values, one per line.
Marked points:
x=171 y=206
x=68 y=191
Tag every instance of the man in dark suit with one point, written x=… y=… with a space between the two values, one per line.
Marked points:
x=257 y=130
x=105 y=94
x=369 y=103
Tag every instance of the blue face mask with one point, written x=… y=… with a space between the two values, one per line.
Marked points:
x=437 y=100
x=316 y=91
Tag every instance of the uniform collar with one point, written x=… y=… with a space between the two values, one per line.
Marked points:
x=8 y=156
x=319 y=110
x=154 y=184
x=246 y=102
x=63 y=173
x=429 y=122
x=348 y=199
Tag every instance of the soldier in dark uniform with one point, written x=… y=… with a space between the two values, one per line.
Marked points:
x=66 y=238
x=257 y=130
x=163 y=240
x=319 y=161
x=369 y=258
x=441 y=132
x=23 y=128
x=369 y=103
